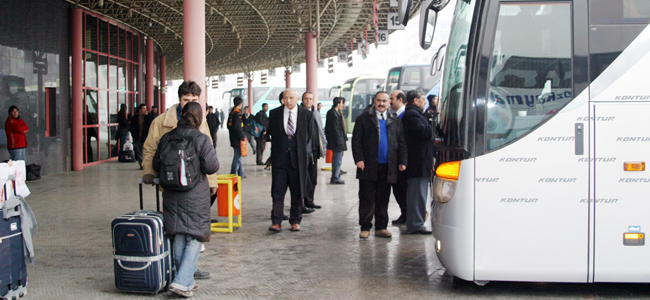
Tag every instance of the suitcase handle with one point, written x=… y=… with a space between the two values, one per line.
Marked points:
x=119 y=262
x=156 y=182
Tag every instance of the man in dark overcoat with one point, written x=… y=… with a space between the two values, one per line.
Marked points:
x=336 y=137
x=290 y=129
x=379 y=151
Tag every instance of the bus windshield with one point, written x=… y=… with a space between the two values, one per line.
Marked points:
x=451 y=119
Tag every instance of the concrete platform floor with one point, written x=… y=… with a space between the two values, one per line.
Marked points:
x=326 y=260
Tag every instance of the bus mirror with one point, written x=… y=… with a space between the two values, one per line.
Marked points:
x=427 y=24
x=404 y=10
x=438 y=5
x=438 y=60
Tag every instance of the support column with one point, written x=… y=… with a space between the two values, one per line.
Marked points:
x=148 y=79
x=287 y=78
x=311 y=60
x=194 y=44
x=77 y=91
x=250 y=94
x=163 y=84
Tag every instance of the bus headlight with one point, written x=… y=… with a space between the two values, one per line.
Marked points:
x=443 y=190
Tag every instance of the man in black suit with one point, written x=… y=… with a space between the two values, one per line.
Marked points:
x=213 y=124
x=263 y=120
x=290 y=128
x=336 y=137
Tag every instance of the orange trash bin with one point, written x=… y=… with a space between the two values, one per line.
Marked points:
x=222 y=196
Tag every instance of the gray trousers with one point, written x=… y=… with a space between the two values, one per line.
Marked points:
x=416 y=203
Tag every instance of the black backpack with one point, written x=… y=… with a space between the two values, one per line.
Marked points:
x=180 y=165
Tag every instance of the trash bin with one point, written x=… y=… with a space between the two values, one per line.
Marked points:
x=222 y=196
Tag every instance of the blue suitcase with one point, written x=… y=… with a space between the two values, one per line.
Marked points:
x=142 y=252
x=13 y=269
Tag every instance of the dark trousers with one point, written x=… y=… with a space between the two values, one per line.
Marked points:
x=399 y=191
x=283 y=177
x=312 y=169
x=137 y=147
x=261 y=144
x=213 y=135
x=373 y=200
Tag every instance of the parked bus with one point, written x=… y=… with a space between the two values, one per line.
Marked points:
x=410 y=77
x=542 y=140
x=358 y=93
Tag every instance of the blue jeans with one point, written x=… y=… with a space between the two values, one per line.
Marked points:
x=237 y=166
x=186 y=256
x=337 y=158
x=17 y=154
x=416 y=203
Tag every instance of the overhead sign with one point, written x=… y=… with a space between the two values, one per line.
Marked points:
x=215 y=83
x=321 y=63
x=263 y=78
x=240 y=81
x=394 y=22
x=330 y=64
x=382 y=37
x=222 y=78
x=342 y=57
x=272 y=72
x=393 y=3
x=295 y=68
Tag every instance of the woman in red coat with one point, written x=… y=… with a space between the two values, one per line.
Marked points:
x=16 y=129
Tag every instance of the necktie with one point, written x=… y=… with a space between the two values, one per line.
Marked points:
x=382 y=116
x=290 y=129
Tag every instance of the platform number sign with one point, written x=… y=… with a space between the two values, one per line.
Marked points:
x=342 y=57
x=394 y=22
x=382 y=37
x=321 y=63
x=393 y=3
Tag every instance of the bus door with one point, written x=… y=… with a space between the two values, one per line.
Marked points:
x=530 y=173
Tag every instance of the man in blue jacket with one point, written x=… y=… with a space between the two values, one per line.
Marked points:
x=419 y=141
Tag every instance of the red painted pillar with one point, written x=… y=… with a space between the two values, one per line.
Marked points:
x=287 y=78
x=163 y=84
x=77 y=91
x=148 y=81
x=311 y=60
x=194 y=44
x=250 y=95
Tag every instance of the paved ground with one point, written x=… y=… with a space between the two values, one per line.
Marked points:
x=324 y=261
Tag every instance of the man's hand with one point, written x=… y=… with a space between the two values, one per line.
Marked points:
x=402 y=168
x=213 y=190
x=147 y=179
x=361 y=165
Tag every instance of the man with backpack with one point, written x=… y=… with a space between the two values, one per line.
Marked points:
x=189 y=91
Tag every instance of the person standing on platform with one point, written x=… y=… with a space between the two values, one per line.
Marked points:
x=187 y=213
x=137 y=127
x=248 y=119
x=213 y=124
x=236 y=132
x=122 y=127
x=379 y=151
x=336 y=137
x=398 y=104
x=221 y=117
x=154 y=112
x=262 y=119
x=418 y=132
x=290 y=128
x=319 y=144
x=189 y=91
x=16 y=130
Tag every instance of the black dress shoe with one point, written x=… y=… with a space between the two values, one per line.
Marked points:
x=261 y=164
x=421 y=231
x=399 y=221
x=313 y=206
x=307 y=210
x=343 y=172
x=337 y=182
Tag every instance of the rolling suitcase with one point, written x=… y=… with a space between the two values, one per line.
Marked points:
x=13 y=269
x=142 y=252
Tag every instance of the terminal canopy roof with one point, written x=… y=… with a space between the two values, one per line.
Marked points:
x=249 y=35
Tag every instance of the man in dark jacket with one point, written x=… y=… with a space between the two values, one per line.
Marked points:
x=290 y=128
x=336 y=138
x=419 y=141
x=221 y=118
x=319 y=144
x=236 y=131
x=213 y=124
x=137 y=127
x=249 y=121
x=379 y=150
x=263 y=120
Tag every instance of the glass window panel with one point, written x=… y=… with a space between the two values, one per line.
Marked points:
x=112 y=74
x=91 y=107
x=136 y=48
x=104 y=142
x=113 y=107
x=129 y=45
x=113 y=39
x=129 y=77
x=103 y=36
x=121 y=73
x=121 y=43
x=136 y=73
x=112 y=141
x=91 y=33
x=90 y=70
x=530 y=76
x=90 y=140
x=102 y=108
x=102 y=74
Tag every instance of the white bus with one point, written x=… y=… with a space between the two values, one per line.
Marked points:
x=544 y=133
